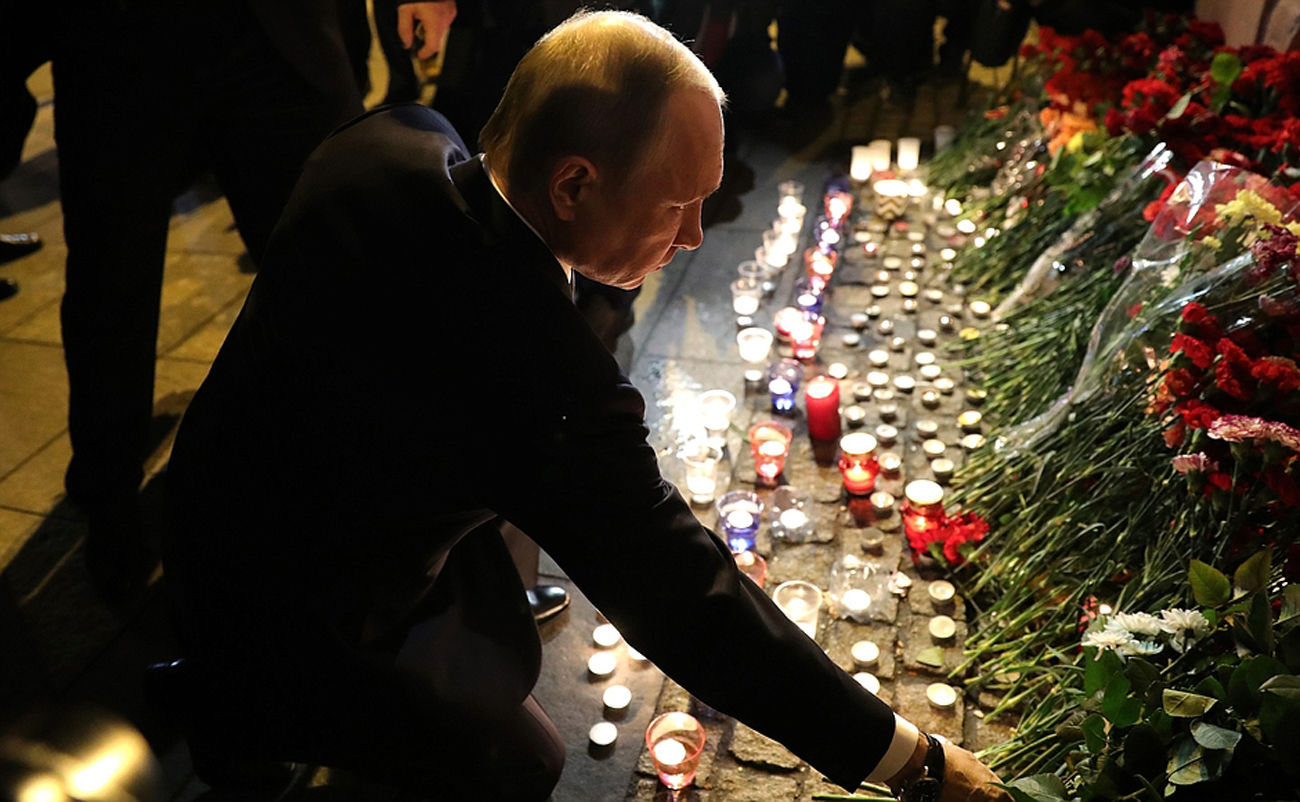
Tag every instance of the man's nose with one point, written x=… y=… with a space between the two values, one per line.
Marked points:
x=691 y=233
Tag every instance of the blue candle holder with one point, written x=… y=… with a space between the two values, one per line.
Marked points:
x=783 y=379
x=808 y=296
x=739 y=514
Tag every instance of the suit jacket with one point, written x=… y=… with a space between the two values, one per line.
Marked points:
x=409 y=364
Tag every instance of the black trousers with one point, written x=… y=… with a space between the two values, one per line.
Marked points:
x=148 y=95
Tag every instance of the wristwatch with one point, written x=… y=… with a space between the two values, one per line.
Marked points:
x=930 y=785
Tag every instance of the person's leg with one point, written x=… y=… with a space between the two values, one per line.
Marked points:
x=354 y=24
x=403 y=83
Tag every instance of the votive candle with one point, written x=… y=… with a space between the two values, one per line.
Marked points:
x=822 y=398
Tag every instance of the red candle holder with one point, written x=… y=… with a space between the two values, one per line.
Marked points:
x=822 y=399
x=785 y=318
x=770 y=441
x=922 y=508
x=819 y=265
x=806 y=335
x=858 y=463
x=838 y=205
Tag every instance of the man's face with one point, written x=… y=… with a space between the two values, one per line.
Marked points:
x=621 y=235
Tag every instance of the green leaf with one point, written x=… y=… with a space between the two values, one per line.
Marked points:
x=1117 y=706
x=1179 y=107
x=933 y=657
x=1181 y=704
x=1187 y=764
x=1252 y=575
x=1144 y=751
x=1101 y=665
x=1143 y=675
x=1260 y=622
x=1210 y=587
x=1225 y=69
x=1289 y=649
x=1094 y=733
x=1210 y=687
x=1285 y=685
x=1038 y=788
x=1212 y=737
x=1290 y=602
x=1246 y=679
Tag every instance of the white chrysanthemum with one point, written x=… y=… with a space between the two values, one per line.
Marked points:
x=1184 y=626
x=1137 y=623
x=1147 y=648
x=1115 y=640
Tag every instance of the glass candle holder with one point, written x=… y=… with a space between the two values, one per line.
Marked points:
x=801 y=602
x=838 y=205
x=792 y=212
x=758 y=271
x=752 y=565
x=784 y=318
x=715 y=412
x=819 y=264
x=675 y=741
x=746 y=293
x=858 y=463
x=700 y=460
x=909 y=153
x=754 y=345
x=770 y=442
x=892 y=197
x=739 y=514
x=822 y=402
x=882 y=151
x=790 y=190
x=858 y=588
x=860 y=163
x=774 y=250
x=922 y=508
x=806 y=336
x=783 y=379
x=791 y=517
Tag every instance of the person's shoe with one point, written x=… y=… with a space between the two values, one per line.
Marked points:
x=170 y=688
x=116 y=555
x=14 y=246
x=8 y=288
x=547 y=602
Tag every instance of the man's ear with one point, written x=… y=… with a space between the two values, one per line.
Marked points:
x=571 y=184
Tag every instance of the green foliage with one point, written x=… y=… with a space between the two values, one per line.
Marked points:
x=1209 y=587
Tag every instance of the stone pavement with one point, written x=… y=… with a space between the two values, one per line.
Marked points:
x=57 y=642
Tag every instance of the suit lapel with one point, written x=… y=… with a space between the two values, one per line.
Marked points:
x=502 y=223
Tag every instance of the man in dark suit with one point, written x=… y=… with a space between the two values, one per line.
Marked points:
x=340 y=587
x=149 y=93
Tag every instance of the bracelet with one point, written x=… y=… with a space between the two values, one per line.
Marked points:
x=930 y=785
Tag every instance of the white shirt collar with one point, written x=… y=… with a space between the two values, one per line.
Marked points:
x=568 y=271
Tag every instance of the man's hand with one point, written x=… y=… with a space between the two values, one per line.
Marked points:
x=968 y=780
x=433 y=19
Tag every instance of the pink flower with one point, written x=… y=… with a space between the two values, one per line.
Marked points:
x=1186 y=463
x=1286 y=435
x=1239 y=428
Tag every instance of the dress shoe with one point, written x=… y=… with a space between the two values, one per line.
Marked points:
x=8 y=288
x=547 y=602
x=172 y=688
x=13 y=246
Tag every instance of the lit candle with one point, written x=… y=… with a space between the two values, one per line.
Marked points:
x=754 y=344
x=933 y=448
x=969 y=421
x=980 y=309
x=771 y=443
x=822 y=399
x=892 y=262
x=922 y=507
x=881 y=154
x=904 y=383
x=945 y=386
x=782 y=394
x=880 y=290
x=605 y=636
x=877 y=378
x=941 y=592
x=868 y=681
x=930 y=399
x=669 y=752
x=793 y=519
x=865 y=653
x=924 y=358
x=890 y=463
x=855 y=415
x=751 y=565
x=926 y=427
x=603 y=733
x=943 y=469
x=858 y=464
x=947 y=254
x=851 y=339
x=617 y=697
x=946 y=323
x=952 y=206
x=908 y=289
x=885 y=326
x=783 y=319
x=882 y=503
x=941 y=695
x=887 y=434
x=917 y=247
x=888 y=412
x=855 y=600
x=972 y=442
x=602 y=664
x=858 y=320
x=838 y=370
x=934 y=296
x=930 y=372
x=897 y=344
x=892 y=197
x=807 y=336
x=909 y=305
x=878 y=358
x=966 y=226
x=861 y=163
x=739 y=513
x=872 y=311
x=861 y=391
x=909 y=152
x=976 y=396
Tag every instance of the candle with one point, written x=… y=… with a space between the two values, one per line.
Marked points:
x=971 y=442
x=868 y=681
x=878 y=358
x=908 y=289
x=897 y=344
x=790 y=191
x=888 y=412
x=861 y=391
x=806 y=336
x=858 y=320
x=858 y=462
x=754 y=344
x=851 y=340
x=945 y=322
x=980 y=309
x=751 y=565
x=793 y=519
x=855 y=600
x=892 y=262
x=882 y=503
x=942 y=628
x=822 y=399
x=976 y=396
x=617 y=697
x=801 y=603
x=966 y=226
x=782 y=394
x=909 y=152
x=934 y=296
x=945 y=386
x=885 y=326
x=933 y=448
x=926 y=427
x=890 y=463
x=865 y=653
x=745 y=294
x=634 y=655
x=904 y=383
x=943 y=469
x=909 y=305
x=969 y=421
x=838 y=370
x=603 y=733
x=879 y=290
x=783 y=319
x=872 y=311
x=947 y=254
x=881 y=154
x=886 y=434
x=892 y=197
x=941 y=695
x=669 y=752
x=861 y=163
x=941 y=592
x=930 y=372
x=930 y=399
x=675 y=741
x=922 y=507
x=739 y=513
x=855 y=415
x=924 y=358
x=602 y=664
x=771 y=443
x=917 y=247
x=715 y=409
x=605 y=636
x=877 y=378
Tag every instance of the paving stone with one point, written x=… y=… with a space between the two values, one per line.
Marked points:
x=751 y=746
x=743 y=784
x=810 y=562
x=843 y=634
x=919 y=601
x=990 y=733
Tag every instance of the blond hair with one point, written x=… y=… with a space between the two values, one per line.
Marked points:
x=594 y=86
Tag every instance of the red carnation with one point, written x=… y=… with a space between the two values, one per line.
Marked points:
x=1220 y=480
x=1279 y=371
x=1197 y=414
x=1200 y=353
x=1232 y=372
x=1201 y=321
x=1181 y=382
x=969 y=527
x=1280 y=481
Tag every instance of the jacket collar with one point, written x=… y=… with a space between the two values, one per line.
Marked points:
x=493 y=213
